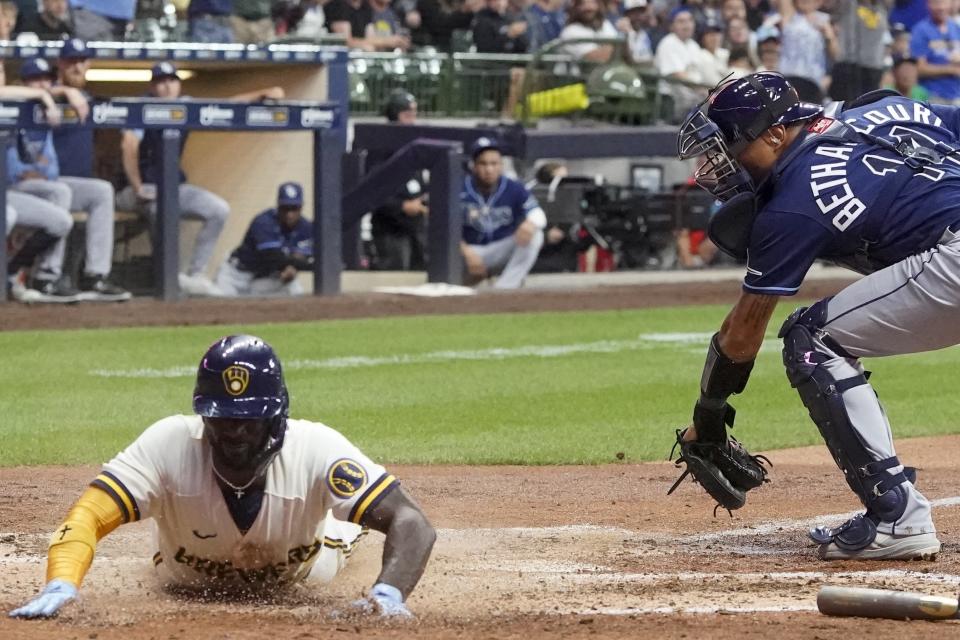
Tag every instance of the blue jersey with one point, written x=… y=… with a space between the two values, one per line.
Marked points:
x=487 y=220
x=266 y=236
x=33 y=152
x=837 y=195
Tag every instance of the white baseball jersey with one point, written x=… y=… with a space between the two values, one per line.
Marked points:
x=167 y=474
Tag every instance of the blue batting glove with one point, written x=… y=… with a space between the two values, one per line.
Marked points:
x=385 y=600
x=56 y=594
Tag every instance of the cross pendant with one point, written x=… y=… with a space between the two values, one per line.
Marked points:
x=239 y=493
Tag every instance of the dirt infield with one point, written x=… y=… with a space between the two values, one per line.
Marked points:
x=523 y=552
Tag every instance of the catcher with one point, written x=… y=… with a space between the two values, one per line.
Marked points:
x=244 y=499
x=872 y=185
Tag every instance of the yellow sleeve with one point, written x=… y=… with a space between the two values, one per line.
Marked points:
x=74 y=542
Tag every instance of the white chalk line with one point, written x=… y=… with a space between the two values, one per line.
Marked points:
x=644 y=341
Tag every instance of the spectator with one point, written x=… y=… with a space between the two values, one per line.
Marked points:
x=385 y=23
x=679 y=57
x=935 y=43
x=586 y=20
x=306 y=20
x=740 y=63
x=8 y=20
x=210 y=20
x=278 y=244
x=251 y=22
x=53 y=22
x=36 y=170
x=43 y=250
x=634 y=23
x=738 y=35
x=502 y=223
x=440 y=18
x=909 y=12
x=862 y=29
x=353 y=19
x=807 y=39
x=102 y=19
x=900 y=46
x=496 y=32
x=715 y=65
x=768 y=49
x=757 y=11
x=546 y=18
x=731 y=9
x=140 y=153
x=905 y=76
x=398 y=225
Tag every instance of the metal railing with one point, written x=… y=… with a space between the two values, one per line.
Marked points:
x=525 y=87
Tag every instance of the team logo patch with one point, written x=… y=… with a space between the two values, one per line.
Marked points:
x=820 y=125
x=346 y=478
x=236 y=379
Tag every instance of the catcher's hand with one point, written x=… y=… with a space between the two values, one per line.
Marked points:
x=724 y=469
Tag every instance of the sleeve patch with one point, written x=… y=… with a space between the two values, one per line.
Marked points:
x=346 y=478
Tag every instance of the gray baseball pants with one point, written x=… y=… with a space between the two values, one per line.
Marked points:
x=908 y=307
x=237 y=282
x=91 y=195
x=195 y=202
x=507 y=258
x=38 y=213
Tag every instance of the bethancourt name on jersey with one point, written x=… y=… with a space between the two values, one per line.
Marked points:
x=828 y=181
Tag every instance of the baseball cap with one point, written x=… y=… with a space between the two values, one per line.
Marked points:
x=898 y=27
x=483 y=144
x=767 y=32
x=290 y=194
x=74 y=49
x=713 y=25
x=677 y=11
x=899 y=60
x=629 y=5
x=35 y=68
x=163 y=70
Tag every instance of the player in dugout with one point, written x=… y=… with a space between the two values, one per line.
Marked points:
x=141 y=154
x=244 y=498
x=278 y=244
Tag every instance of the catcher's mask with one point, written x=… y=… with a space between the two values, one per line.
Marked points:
x=736 y=113
x=240 y=382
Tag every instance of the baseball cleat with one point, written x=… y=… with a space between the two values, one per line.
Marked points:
x=920 y=546
x=99 y=289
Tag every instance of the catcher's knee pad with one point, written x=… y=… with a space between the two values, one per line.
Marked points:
x=822 y=394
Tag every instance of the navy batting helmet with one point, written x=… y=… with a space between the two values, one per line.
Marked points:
x=736 y=113
x=398 y=101
x=240 y=377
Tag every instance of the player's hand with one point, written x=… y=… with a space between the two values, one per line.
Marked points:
x=56 y=594
x=289 y=273
x=147 y=192
x=385 y=601
x=474 y=262
x=273 y=93
x=524 y=233
x=78 y=102
x=50 y=111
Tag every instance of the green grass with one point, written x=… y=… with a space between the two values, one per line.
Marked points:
x=625 y=395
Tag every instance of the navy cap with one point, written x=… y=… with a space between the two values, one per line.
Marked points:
x=483 y=144
x=75 y=49
x=163 y=70
x=290 y=194
x=36 y=68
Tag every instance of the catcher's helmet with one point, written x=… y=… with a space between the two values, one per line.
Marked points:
x=736 y=113
x=240 y=377
x=398 y=101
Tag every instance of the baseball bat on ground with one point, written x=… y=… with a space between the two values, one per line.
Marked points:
x=884 y=603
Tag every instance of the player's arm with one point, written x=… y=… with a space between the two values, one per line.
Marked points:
x=71 y=551
x=267 y=93
x=729 y=362
x=130 y=157
x=410 y=538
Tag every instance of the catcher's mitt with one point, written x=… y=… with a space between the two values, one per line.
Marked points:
x=725 y=470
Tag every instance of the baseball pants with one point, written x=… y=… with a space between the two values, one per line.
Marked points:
x=195 y=202
x=11 y=219
x=91 y=195
x=511 y=261
x=39 y=213
x=237 y=282
x=909 y=307
x=340 y=539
